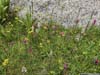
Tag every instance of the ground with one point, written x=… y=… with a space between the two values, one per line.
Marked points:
x=50 y=49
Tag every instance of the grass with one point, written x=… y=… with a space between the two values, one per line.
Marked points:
x=4 y=8
x=50 y=49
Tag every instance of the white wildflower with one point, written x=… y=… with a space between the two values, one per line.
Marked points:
x=24 y=69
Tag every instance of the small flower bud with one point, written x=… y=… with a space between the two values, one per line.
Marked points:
x=94 y=21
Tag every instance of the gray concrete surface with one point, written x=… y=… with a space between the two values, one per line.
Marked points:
x=65 y=12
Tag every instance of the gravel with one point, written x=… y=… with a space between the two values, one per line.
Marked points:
x=65 y=12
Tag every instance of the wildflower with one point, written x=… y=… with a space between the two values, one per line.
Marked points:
x=64 y=72
x=85 y=53
x=16 y=18
x=48 y=41
x=26 y=40
x=52 y=72
x=29 y=32
x=41 y=45
x=94 y=22
x=77 y=21
x=62 y=34
x=4 y=19
x=9 y=23
x=65 y=66
x=60 y=61
x=60 y=67
x=8 y=31
x=24 y=69
x=96 y=61
x=5 y=62
x=45 y=27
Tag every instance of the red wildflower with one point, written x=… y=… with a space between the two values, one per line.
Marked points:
x=25 y=40
x=65 y=66
x=94 y=21
x=96 y=61
x=77 y=21
x=62 y=33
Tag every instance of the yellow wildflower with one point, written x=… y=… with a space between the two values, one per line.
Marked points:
x=8 y=31
x=52 y=72
x=5 y=62
x=16 y=18
x=41 y=45
x=30 y=32
x=9 y=22
x=45 y=27
x=48 y=41
x=60 y=67
x=26 y=39
x=60 y=61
